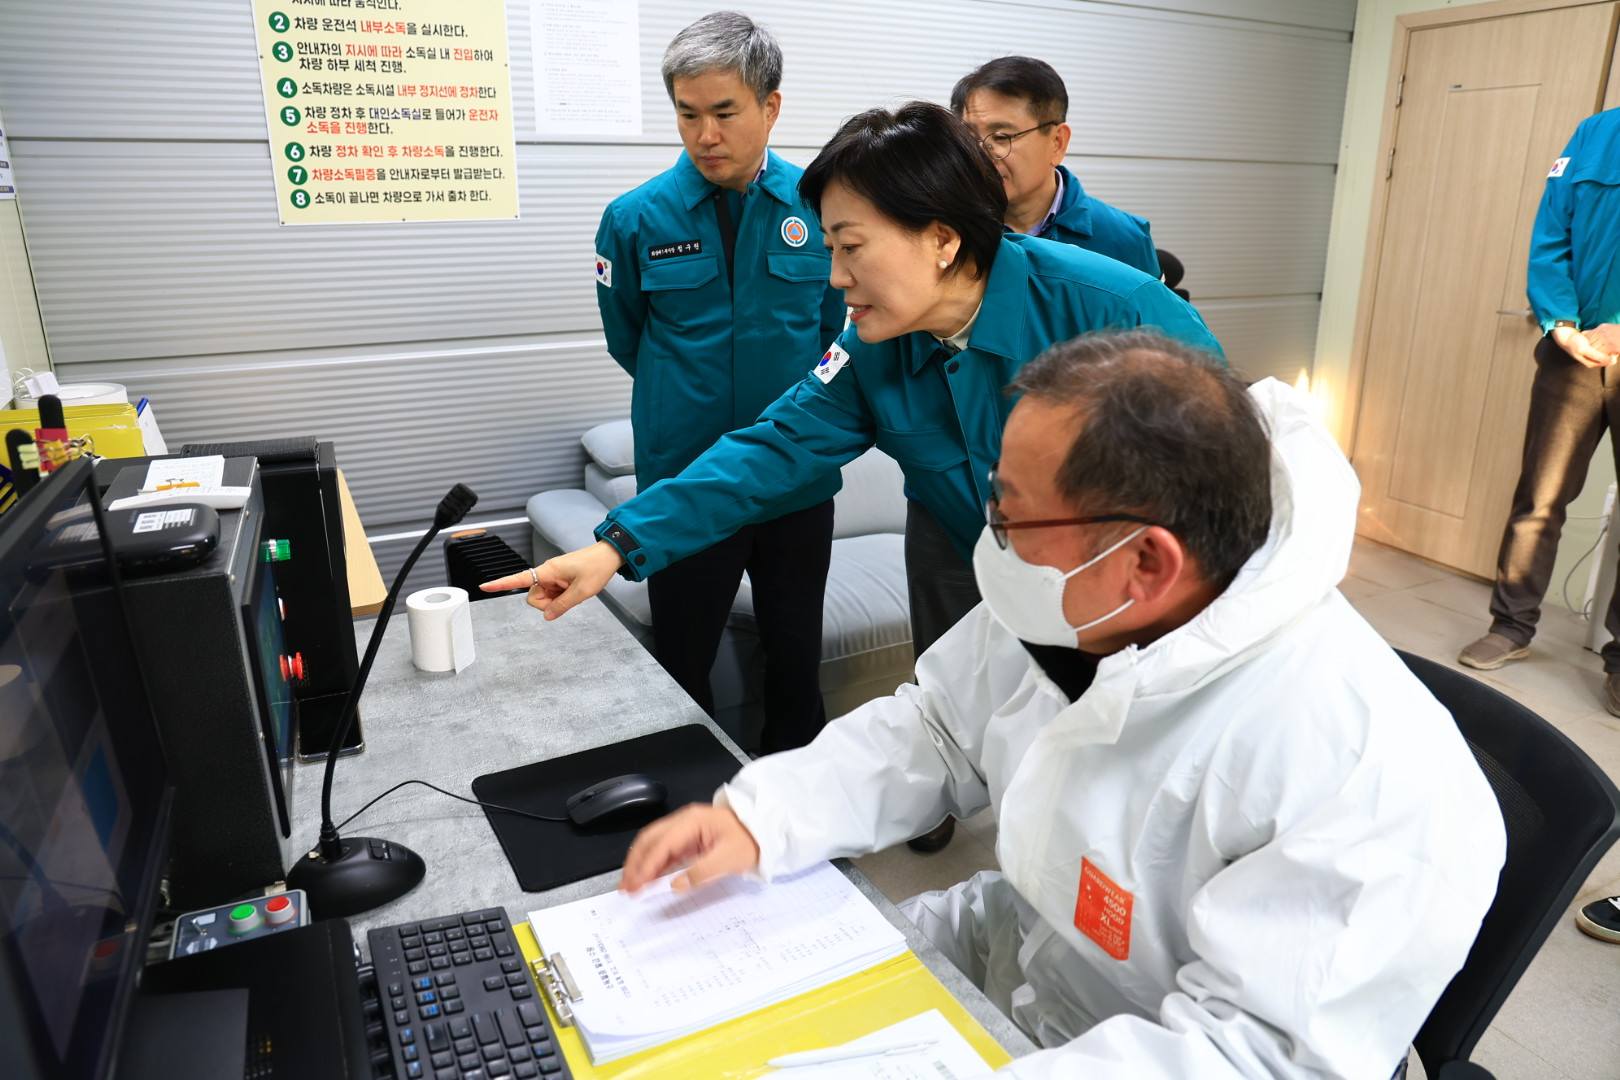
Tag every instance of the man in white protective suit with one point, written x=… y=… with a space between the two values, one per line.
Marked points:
x=1237 y=837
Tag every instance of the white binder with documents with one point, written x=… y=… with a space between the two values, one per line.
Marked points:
x=653 y=967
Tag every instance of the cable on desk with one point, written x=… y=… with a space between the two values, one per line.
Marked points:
x=453 y=795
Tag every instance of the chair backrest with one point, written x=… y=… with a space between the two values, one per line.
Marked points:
x=1172 y=271
x=1561 y=812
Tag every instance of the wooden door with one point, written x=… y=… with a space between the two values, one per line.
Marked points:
x=1484 y=109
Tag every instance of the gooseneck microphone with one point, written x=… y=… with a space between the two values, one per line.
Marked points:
x=348 y=876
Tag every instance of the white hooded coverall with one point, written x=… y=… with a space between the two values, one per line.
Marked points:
x=1256 y=847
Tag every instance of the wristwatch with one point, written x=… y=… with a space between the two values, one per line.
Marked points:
x=1573 y=325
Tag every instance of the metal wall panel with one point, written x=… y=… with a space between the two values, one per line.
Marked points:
x=437 y=352
x=1140 y=82
x=173 y=250
x=429 y=570
x=1266 y=337
x=503 y=416
x=1242 y=230
x=1224 y=88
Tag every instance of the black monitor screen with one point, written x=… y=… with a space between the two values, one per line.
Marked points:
x=83 y=793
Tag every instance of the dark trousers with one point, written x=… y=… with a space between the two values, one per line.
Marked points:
x=939 y=581
x=1570 y=408
x=786 y=560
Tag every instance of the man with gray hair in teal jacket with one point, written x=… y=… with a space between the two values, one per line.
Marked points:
x=712 y=283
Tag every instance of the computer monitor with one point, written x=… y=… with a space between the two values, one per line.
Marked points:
x=268 y=660
x=84 y=796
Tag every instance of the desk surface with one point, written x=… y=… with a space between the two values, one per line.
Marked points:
x=536 y=690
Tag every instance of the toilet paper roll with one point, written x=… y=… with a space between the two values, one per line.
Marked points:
x=441 y=629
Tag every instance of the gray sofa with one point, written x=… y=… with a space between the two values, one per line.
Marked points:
x=866 y=631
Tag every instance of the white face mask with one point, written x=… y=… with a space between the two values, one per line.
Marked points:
x=1028 y=599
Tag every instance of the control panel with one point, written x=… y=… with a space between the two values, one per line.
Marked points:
x=213 y=928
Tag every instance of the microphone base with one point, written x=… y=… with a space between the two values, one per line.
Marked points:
x=369 y=873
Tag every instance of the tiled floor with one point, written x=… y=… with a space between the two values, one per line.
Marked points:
x=1562 y=1021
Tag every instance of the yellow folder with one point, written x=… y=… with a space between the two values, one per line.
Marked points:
x=114 y=428
x=738 y=1050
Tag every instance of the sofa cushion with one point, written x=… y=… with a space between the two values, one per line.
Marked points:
x=612 y=447
x=866 y=609
x=609 y=490
x=565 y=520
x=566 y=517
x=873 y=498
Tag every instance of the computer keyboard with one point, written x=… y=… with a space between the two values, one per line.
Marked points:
x=456 y=1002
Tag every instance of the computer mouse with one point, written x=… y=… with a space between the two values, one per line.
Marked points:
x=618 y=800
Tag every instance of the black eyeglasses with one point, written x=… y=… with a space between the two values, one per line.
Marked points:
x=998 y=144
x=999 y=525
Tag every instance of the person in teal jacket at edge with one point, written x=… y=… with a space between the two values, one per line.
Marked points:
x=945 y=308
x=1019 y=108
x=712 y=282
x=1573 y=285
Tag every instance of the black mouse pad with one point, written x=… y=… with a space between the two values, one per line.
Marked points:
x=689 y=761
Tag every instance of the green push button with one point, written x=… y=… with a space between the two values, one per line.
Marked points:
x=244 y=918
x=277 y=550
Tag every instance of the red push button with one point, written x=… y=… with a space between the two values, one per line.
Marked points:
x=279 y=910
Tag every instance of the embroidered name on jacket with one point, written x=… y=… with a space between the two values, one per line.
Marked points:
x=670 y=251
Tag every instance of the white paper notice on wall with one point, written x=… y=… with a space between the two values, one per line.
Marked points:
x=8 y=184
x=587 y=66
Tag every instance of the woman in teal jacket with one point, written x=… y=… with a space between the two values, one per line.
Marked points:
x=944 y=309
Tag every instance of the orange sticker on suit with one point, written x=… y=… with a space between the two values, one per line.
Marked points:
x=1103 y=911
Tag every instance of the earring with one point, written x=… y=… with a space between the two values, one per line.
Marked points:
x=943 y=263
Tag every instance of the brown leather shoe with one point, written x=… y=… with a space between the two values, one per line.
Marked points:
x=1491 y=652
x=934 y=839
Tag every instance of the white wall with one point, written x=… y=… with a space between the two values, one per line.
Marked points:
x=22 y=337
x=1359 y=172
x=441 y=352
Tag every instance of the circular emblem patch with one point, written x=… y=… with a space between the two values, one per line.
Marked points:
x=795 y=232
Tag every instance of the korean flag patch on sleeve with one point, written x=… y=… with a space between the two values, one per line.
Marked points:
x=1558 y=168
x=604 y=272
x=831 y=363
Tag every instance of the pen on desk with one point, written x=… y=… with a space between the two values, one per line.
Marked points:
x=847 y=1053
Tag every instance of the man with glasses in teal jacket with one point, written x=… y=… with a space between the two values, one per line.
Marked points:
x=712 y=282
x=1019 y=108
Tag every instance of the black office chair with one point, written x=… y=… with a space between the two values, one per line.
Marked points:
x=1562 y=813
x=1172 y=272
